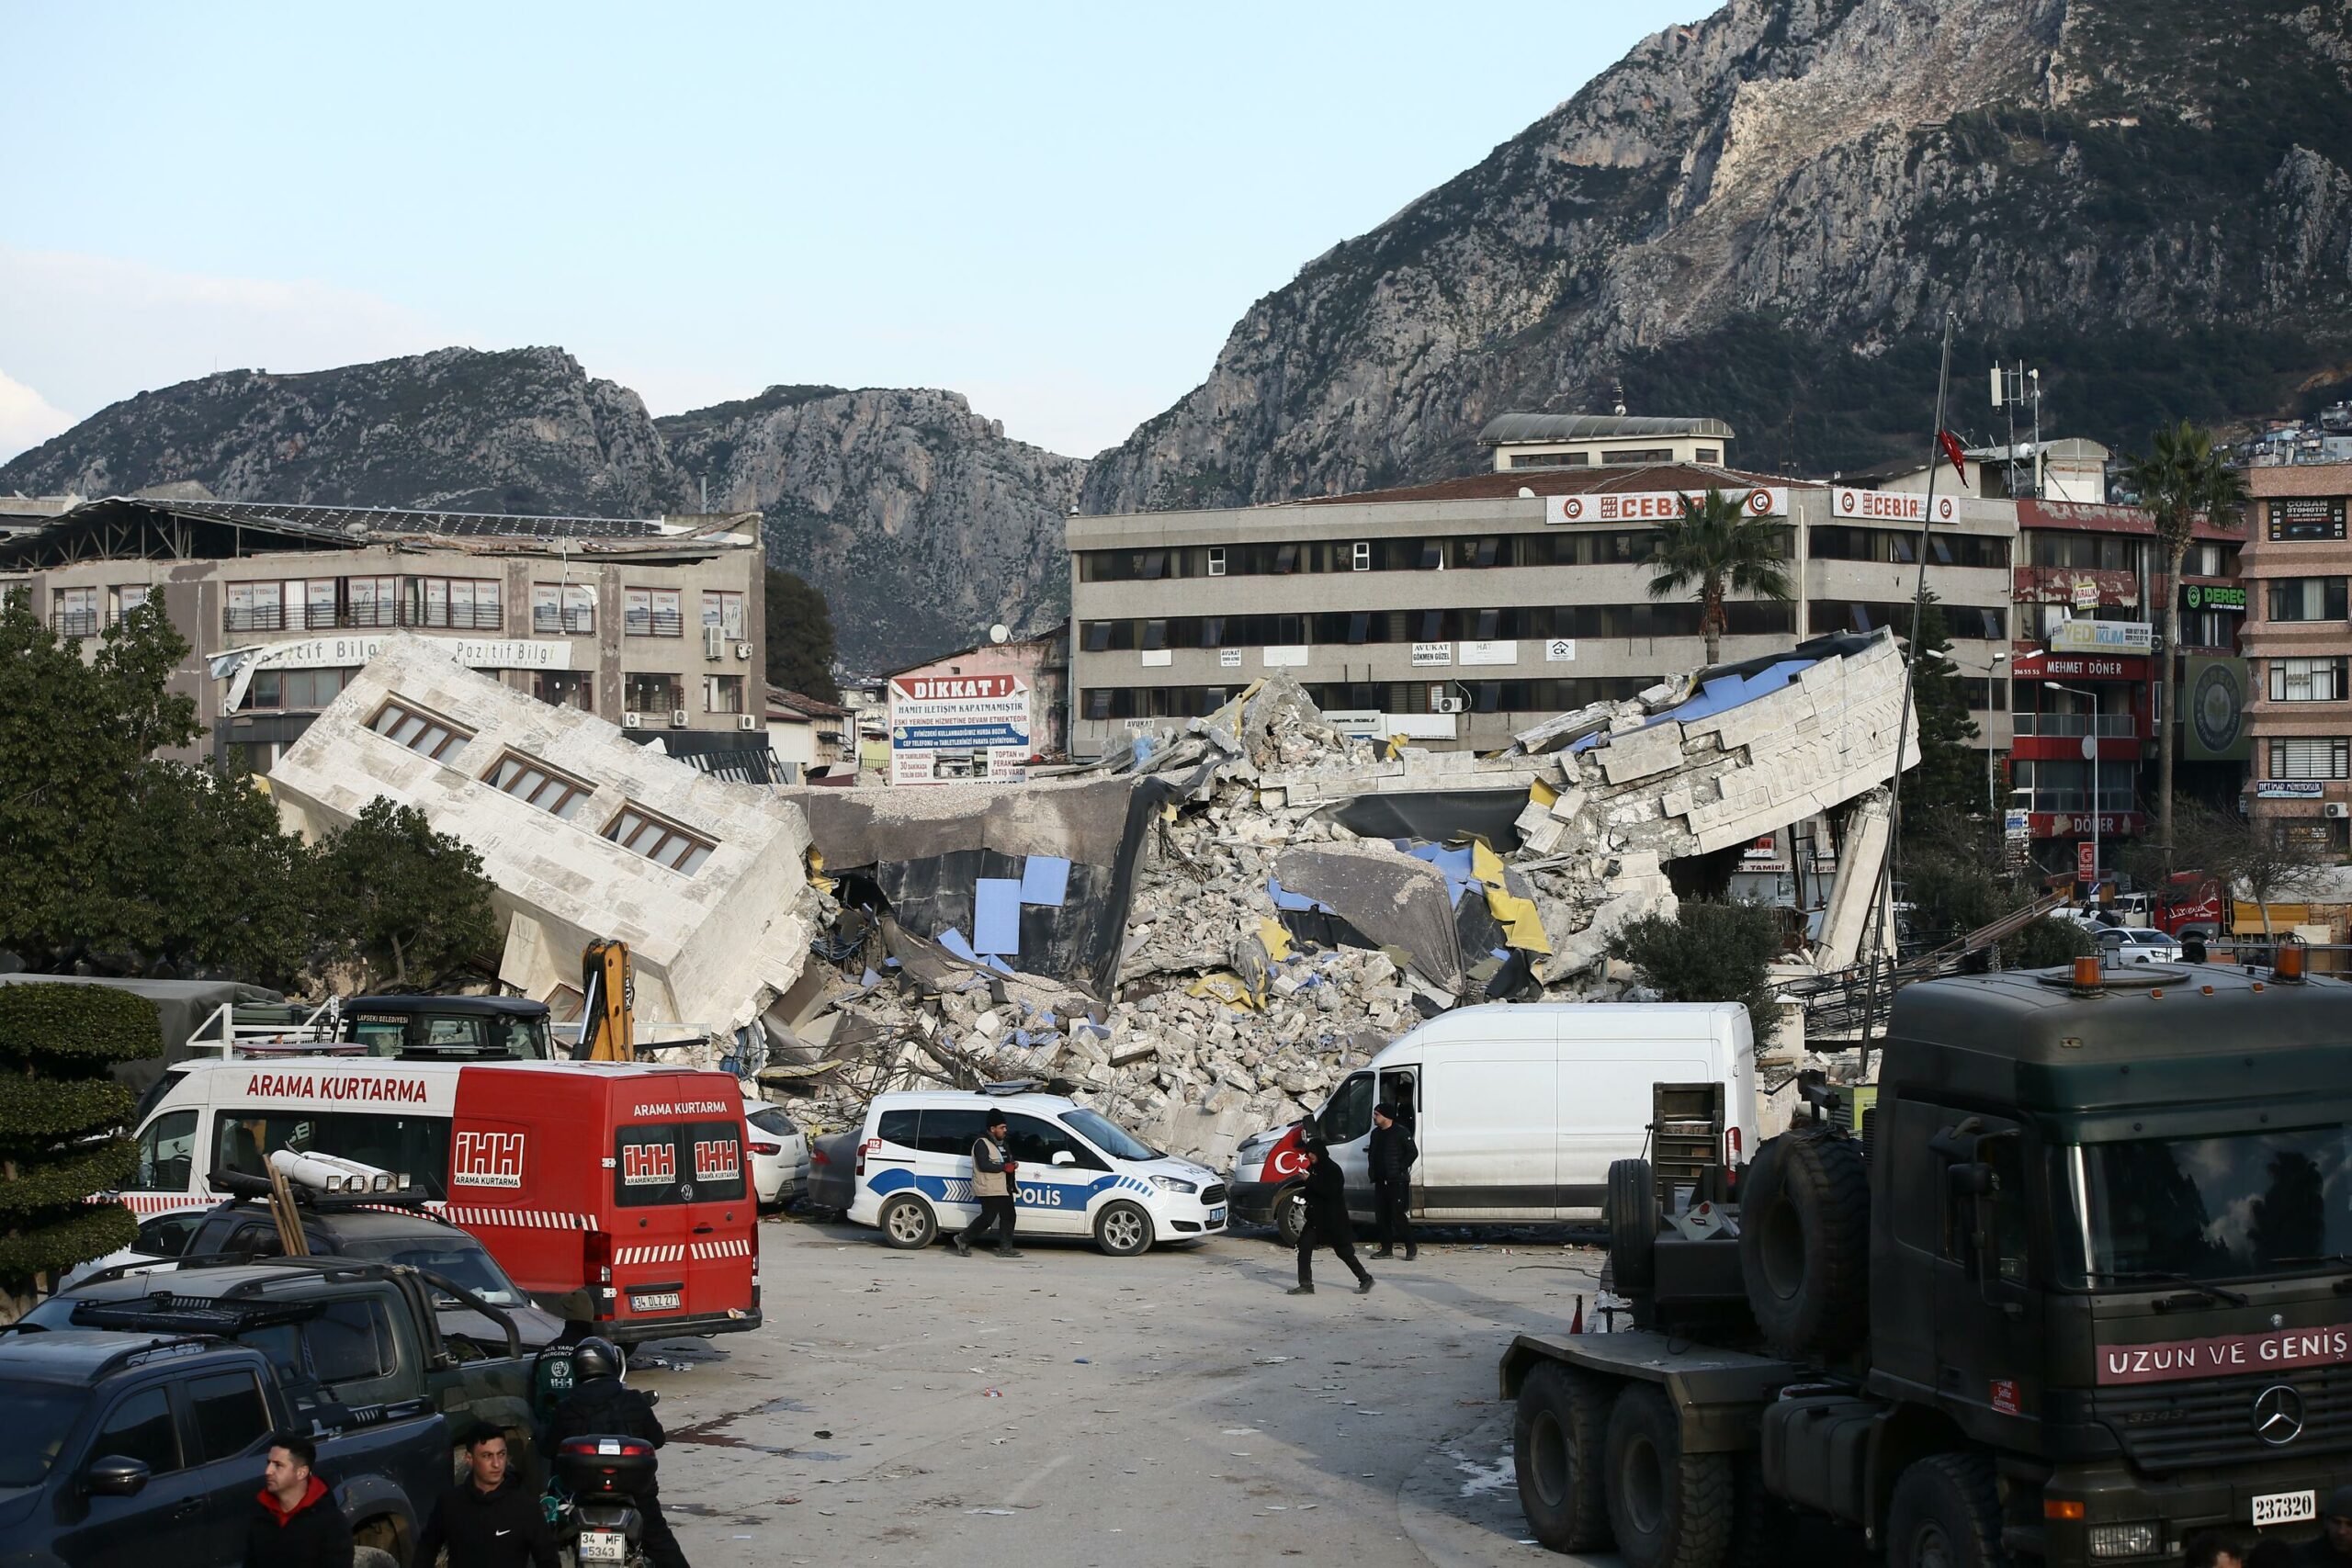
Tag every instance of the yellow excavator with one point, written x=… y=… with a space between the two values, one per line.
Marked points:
x=607 y=1023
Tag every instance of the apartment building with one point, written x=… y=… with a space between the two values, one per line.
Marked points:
x=2298 y=639
x=654 y=623
x=1457 y=613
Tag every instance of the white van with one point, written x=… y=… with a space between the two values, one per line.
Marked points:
x=1080 y=1173
x=1517 y=1107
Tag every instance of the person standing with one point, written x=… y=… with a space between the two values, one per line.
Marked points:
x=601 y=1405
x=1391 y=1156
x=2332 y=1547
x=490 y=1520
x=295 y=1522
x=1327 y=1221
x=992 y=1178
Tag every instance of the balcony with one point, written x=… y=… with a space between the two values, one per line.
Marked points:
x=2111 y=725
x=378 y=615
x=549 y=621
x=75 y=623
x=455 y=617
x=653 y=623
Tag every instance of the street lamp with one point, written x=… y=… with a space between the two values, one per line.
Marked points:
x=1994 y=669
x=2090 y=751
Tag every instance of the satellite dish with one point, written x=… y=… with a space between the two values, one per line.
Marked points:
x=1000 y=633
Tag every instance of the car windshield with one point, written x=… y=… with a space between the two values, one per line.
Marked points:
x=2218 y=1208
x=39 y=1416
x=1109 y=1136
x=767 y=1119
x=464 y=1266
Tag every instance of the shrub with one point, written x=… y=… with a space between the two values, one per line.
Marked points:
x=61 y=1137
x=1707 y=953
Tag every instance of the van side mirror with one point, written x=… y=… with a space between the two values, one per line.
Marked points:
x=115 y=1476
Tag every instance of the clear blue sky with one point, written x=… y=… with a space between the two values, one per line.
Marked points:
x=1058 y=211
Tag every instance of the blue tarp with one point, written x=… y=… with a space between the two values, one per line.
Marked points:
x=996 y=914
x=1295 y=902
x=953 y=941
x=1723 y=693
x=1045 y=879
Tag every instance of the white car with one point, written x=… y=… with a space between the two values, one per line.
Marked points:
x=1077 y=1173
x=779 y=1154
x=2136 y=945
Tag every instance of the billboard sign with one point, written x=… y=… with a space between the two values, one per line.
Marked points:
x=2213 y=597
x=954 y=727
x=1657 y=506
x=1889 y=505
x=2103 y=636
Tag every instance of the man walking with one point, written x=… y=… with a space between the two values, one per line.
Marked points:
x=489 y=1519
x=992 y=1185
x=1327 y=1221
x=295 y=1522
x=1392 y=1155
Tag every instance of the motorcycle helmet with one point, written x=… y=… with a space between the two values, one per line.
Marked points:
x=595 y=1358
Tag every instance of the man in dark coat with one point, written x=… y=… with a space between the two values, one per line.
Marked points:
x=2332 y=1547
x=1327 y=1221
x=295 y=1522
x=489 y=1519
x=601 y=1405
x=1391 y=1155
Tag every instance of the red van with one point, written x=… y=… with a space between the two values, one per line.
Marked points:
x=617 y=1194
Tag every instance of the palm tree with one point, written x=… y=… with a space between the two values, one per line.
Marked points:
x=1716 y=546
x=2183 y=475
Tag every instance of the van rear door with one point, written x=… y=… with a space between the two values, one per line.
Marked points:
x=681 y=1206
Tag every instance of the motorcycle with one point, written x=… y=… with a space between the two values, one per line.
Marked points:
x=601 y=1479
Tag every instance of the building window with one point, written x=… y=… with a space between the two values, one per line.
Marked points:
x=372 y=601
x=1097 y=637
x=663 y=843
x=1433 y=556
x=1479 y=552
x=125 y=599
x=296 y=689
x=1633 y=455
x=1150 y=564
x=1155 y=636
x=651 y=612
x=459 y=603
x=563 y=608
x=253 y=607
x=309 y=603
x=1706 y=454
x=1551 y=459
x=1360 y=626
x=420 y=732
x=2299 y=757
x=75 y=612
x=1098 y=702
x=1217 y=560
x=2307 y=599
x=1486 y=626
x=534 y=783
x=652 y=692
x=565 y=688
x=2306 y=679
x=722 y=693
x=1285 y=560
x=724 y=610
x=1360 y=556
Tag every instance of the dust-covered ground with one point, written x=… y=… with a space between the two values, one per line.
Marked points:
x=1068 y=1409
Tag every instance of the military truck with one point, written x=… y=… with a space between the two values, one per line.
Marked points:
x=2075 y=1287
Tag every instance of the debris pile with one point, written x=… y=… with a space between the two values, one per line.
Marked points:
x=1205 y=938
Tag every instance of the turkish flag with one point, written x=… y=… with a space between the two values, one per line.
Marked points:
x=1953 y=451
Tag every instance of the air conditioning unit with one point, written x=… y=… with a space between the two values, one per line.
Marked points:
x=744 y=650
x=714 y=642
x=677 y=718
x=1449 y=705
x=747 y=721
x=632 y=721
x=2336 y=808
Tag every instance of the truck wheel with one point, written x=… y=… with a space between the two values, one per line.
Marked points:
x=1946 y=1514
x=1123 y=1229
x=1804 y=1243
x=1633 y=1226
x=1760 y=1521
x=1668 y=1509
x=1290 y=1214
x=1559 y=1435
x=908 y=1223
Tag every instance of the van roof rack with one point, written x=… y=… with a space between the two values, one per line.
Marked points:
x=239 y=1187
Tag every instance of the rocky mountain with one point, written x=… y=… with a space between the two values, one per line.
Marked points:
x=1764 y=216
x=920 y=521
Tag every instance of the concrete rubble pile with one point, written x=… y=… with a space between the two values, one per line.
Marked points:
x=1303 y=897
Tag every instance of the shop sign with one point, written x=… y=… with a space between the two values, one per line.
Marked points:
x=2304 y=517
x=1889 y=505
x=1657 y=505
x=2039 y=666
x=2289 y=789
x=1490 y=653
x=1432 y=655
x=2086 y=593
x=2213 y=597
x=2016 y=825
x=1560 y=650
x=2077 y=824
x=2103 y=636
x=945 y=726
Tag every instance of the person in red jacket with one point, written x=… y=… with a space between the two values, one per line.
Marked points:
x=295 y=1522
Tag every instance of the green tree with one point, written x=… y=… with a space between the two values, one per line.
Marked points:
x=409 y=904
x=800 y=638
x=2044 y=943
x=222 y=888
x=1715 y=548
x=2183 y=477
x=61 y=1120
x=1708 y=952
x=1949 y=783
x=2254 y=860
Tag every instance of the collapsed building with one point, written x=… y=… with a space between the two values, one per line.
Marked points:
x=1200 y=937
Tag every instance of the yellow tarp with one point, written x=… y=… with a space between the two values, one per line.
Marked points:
x=1277 y=938
x=1225 y=986
x=1522 y=926
x=1542 y=794
x=1484 y=865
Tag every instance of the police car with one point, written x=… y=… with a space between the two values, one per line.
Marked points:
x=1077 y=1173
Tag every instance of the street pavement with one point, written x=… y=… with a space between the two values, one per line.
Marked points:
x=1069 y=1408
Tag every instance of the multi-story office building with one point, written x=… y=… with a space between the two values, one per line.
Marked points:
x=2298 y=639
x=1457 y=613
x=653 y=623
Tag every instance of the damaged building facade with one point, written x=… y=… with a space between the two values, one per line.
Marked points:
x=655 y=623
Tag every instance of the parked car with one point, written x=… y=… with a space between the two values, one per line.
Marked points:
x=779 y=1151
x=2136 y=945
x=832 y=1170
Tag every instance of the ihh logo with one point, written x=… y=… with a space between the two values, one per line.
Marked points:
x=487 y=1160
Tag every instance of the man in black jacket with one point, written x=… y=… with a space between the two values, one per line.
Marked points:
x=295 y=1522
x=1327 y=1221
x=601 y=1405
x=490 y=1521
x=1391 y=1156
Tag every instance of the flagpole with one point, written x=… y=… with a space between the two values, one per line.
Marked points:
x=1936 y=456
